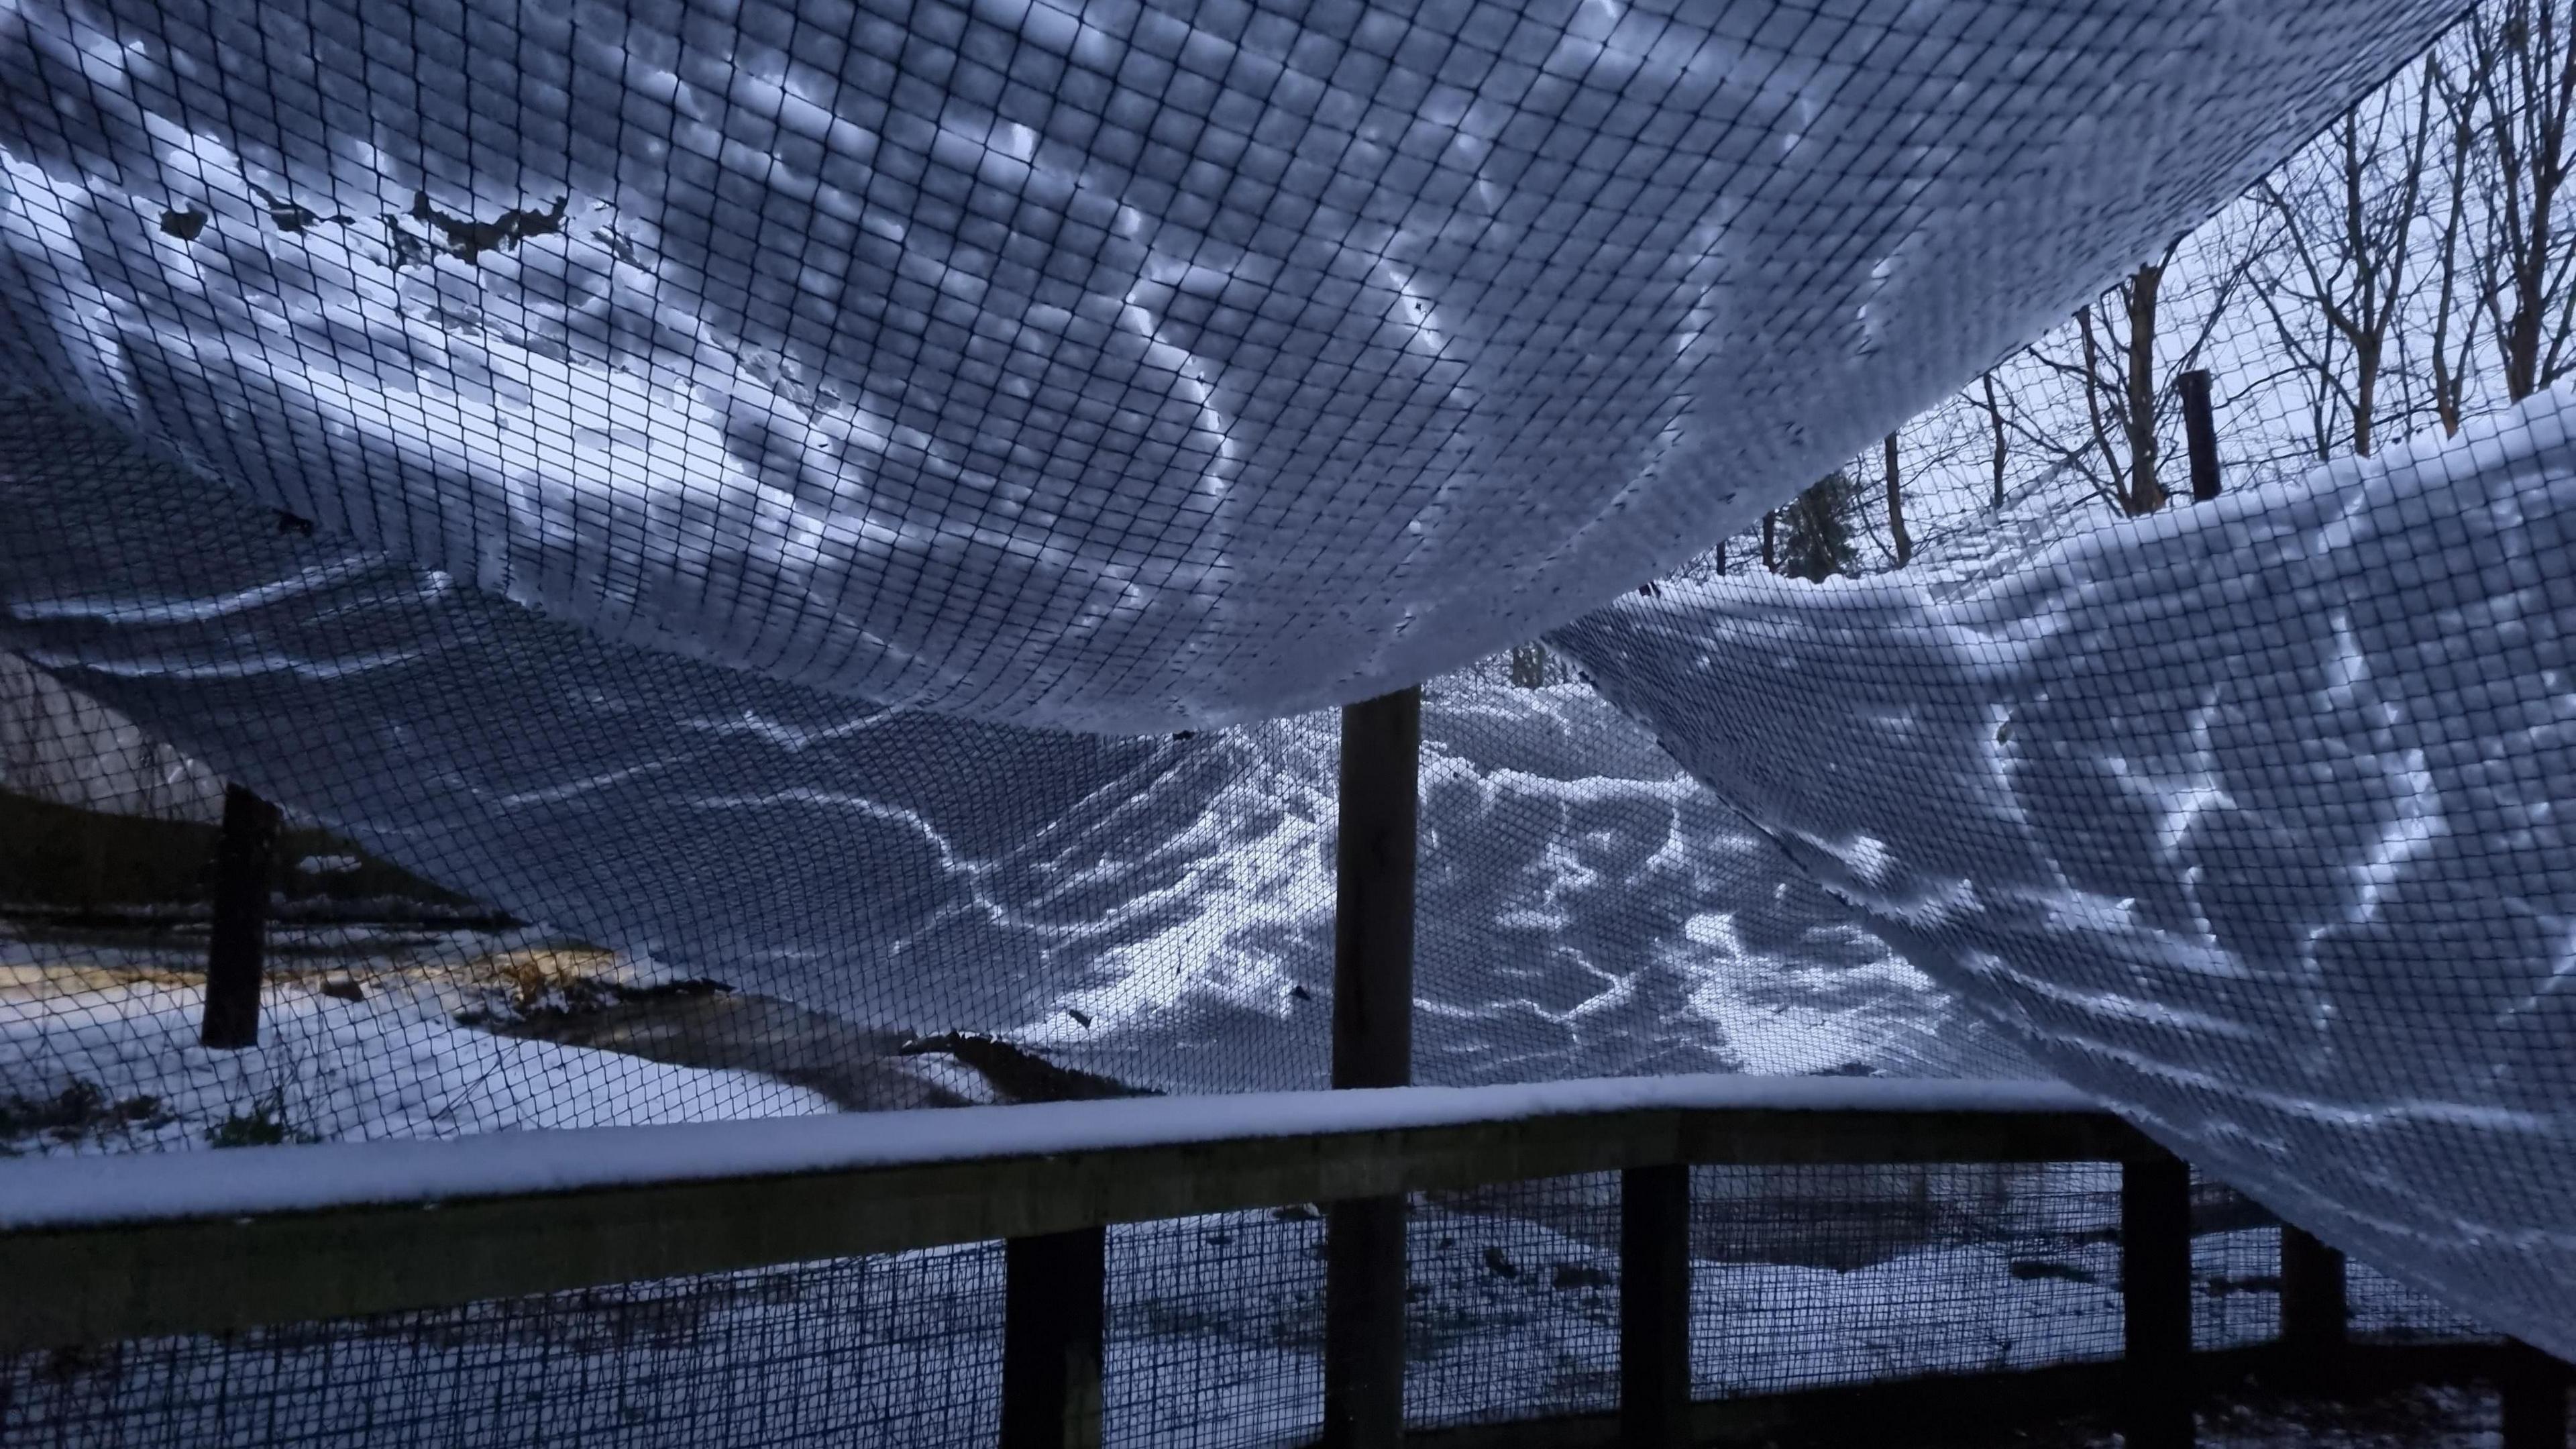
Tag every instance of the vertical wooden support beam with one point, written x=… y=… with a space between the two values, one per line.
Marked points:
x=239 y=935
x=1373 y=891
x=2312 y=1301
x=2534 y=1387
x=1654 y=1307
x=1372 y=1047
x=2155 y=1291
x=2200 y=432
x=1364 y=1323
x=1053 y=1288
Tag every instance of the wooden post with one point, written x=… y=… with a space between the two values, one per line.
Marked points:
x=1373 y=891
x=238 y=936
x=2312 y=1301
x=2534 y=1387
x=1372 y=1047
x=2200 y=432
x=1052 y=1293
x=1654 y=1307
x=2155 y=1292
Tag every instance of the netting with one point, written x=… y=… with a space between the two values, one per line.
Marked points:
x=1804 y=1279
x=793 y=1355
x=1119 y=367
x=787 y=559
x=2241 y=816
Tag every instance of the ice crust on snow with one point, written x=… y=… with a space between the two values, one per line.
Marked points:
x=2248 y=818
x=1102 y=365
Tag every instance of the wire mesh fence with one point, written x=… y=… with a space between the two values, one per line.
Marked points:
x=901 y=1349
x=1803 y=1279
x=1513 y=1302
x=1834 y=1276
x=1215 y=1330
x=2387 y=1309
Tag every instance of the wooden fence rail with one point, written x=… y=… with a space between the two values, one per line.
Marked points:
x=98 y=1250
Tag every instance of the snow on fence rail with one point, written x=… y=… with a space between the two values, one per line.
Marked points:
x=106 y=1250
x=101 y=1250
x=111 y=1248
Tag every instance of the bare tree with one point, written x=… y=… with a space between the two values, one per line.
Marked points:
x=2117 y=373
x=1995 y=423
x=2522 y=70
x=2126 y=397
x=2115 y=368
x=2454 y=340
x=2346 y=214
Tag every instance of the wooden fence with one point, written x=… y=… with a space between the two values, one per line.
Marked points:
x=99 y=1250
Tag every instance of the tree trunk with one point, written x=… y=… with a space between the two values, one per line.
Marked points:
x=2522 y=343
x=2459 y=111
x=2146 y=490
x=2525 y=72
x=1896 y=509
x=1770 y=540
x=2522 y=338
x=1721 y=558
x=1529 y=665
x=1995 y=421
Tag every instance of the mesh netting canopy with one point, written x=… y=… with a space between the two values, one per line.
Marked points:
x=1115 y=366
x=745 y=482
x=2249 y=818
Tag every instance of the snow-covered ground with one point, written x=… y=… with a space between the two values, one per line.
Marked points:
x=122 y=1016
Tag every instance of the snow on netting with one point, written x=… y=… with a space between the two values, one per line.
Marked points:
x=1111 y=366
x=2243 y=816
x=788 y=559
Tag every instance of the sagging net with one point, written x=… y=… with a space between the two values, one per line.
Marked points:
x=789 y=560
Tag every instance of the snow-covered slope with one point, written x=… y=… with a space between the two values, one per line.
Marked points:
x=2251 y=818
x=1107 y=365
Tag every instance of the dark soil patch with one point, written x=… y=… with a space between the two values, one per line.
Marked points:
x=82 y=1109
